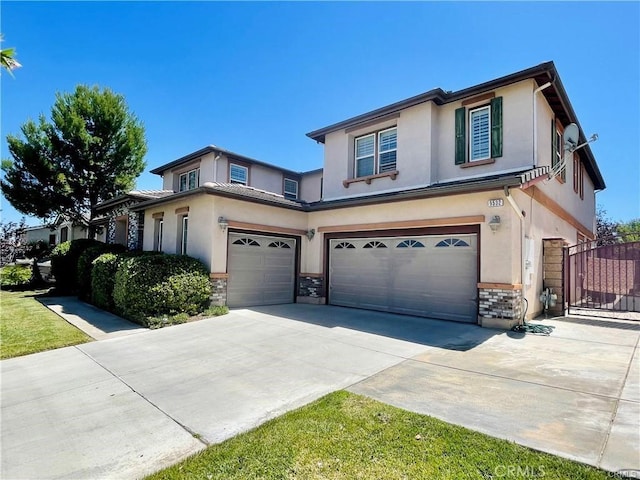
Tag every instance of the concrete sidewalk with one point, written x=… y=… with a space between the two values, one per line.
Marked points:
x=94 y=322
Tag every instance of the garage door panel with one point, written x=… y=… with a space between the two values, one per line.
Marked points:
x=261 y=270
x=433 y=276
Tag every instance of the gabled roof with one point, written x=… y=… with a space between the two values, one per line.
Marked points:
x=545 y=72
x=221 y=151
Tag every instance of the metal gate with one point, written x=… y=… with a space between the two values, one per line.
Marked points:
x=603 y=277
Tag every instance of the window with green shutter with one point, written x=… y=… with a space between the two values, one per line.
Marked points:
x=478 y=132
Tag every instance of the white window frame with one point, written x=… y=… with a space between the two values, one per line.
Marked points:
x=184 y=234
x=471 y=133
x=246 y=174
x=289 y=194
x=376 y=152
x=158 y=235
x=187 y=178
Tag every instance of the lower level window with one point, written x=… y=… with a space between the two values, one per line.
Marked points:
x=158 y=227
x=184 y=235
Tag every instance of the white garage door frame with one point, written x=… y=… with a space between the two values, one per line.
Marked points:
x=233 y=234
x=404 y=234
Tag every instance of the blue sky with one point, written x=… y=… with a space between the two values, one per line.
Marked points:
x=255 y=77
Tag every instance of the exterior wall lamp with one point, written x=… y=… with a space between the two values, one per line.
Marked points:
x=310 y=233
x=223 y=223
x=494 y=223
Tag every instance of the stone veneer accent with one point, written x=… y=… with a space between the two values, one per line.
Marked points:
x=500 y=306
x=218 y=289
x=553 y=268
x=310 y=288
x=135 y=225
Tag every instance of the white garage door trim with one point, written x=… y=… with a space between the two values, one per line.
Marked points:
x=426 y=275
x=261 y=268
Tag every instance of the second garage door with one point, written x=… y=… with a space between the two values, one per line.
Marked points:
x=431 y=276
x=261 y=270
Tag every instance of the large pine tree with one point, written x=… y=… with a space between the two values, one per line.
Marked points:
x=92 y=149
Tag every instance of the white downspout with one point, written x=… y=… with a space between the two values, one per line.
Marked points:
x=215 y=167
x=520 y=215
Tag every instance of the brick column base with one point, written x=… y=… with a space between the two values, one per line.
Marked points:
x=311 y=288
x=500 y=305
x=218 y=294
x=553 y=266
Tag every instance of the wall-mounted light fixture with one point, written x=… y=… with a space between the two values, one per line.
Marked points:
x=494 y=223
x=223 y=223
x=310 y=233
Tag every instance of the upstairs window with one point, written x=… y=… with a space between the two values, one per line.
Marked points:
x=557 y=151
x=376 y=152
x=290 y=189
x=238 y=174
x=189 y=180
x=478 y=133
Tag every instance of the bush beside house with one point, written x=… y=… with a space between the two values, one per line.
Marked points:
x=85 y=266
x=15 y=277
x=64 y=263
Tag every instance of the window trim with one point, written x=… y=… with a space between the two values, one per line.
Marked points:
x=376 y=153
x=284 y=188
x=186 y=175
x=184 y=234
x=487 y=107
x=246 y=169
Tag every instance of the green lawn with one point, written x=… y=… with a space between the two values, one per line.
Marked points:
x=347 y=436
x=29 y=327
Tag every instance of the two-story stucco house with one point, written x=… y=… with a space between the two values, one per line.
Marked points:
x=434 y=206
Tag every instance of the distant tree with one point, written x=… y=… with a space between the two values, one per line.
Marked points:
x=606 y=229
x=8 y=58
x=92 y=149
x=629 y=231
x=12 y=241
x=36 y=251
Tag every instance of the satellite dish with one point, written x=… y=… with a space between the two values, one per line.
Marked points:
x=571 y=136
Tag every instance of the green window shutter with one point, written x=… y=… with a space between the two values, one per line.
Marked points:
x=496 y=127
x=461 y=149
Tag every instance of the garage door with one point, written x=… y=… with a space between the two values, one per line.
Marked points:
x=431 y=276
x=261 y=270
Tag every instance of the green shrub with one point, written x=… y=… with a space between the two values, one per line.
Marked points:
x=15 y=276
x=166 y=320
x=103 y=279
x=216 y=311
x=85 y=265
x=161 y=284
x=64 y=263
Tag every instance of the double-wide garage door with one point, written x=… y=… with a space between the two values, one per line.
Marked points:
x=261 y=270
x=432 y=276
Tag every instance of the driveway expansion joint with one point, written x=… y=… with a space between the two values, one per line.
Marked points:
x=616 y=406
x=191 y=432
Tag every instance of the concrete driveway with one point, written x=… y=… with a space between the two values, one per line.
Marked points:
x=127 y=406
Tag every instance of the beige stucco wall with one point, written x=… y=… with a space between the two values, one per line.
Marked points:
x=563 y=193
x=517 y=147
x=38 y=234
x=310 y=187
x=499 y=262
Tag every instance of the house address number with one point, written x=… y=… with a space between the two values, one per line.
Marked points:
x=496 y=202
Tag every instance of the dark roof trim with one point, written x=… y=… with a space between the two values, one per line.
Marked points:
x=216 y=192
x=450 y=188
x=437 y=95
x=214 y=149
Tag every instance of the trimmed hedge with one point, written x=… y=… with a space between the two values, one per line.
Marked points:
x=64 y=263
x=85 y=265
x=160 y=284
x=103 y=279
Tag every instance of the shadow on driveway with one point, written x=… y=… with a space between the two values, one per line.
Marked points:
x=424 y=331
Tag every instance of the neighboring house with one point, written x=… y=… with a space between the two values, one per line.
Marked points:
x=434 y=206
x=118 y=224
x=61 y=230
